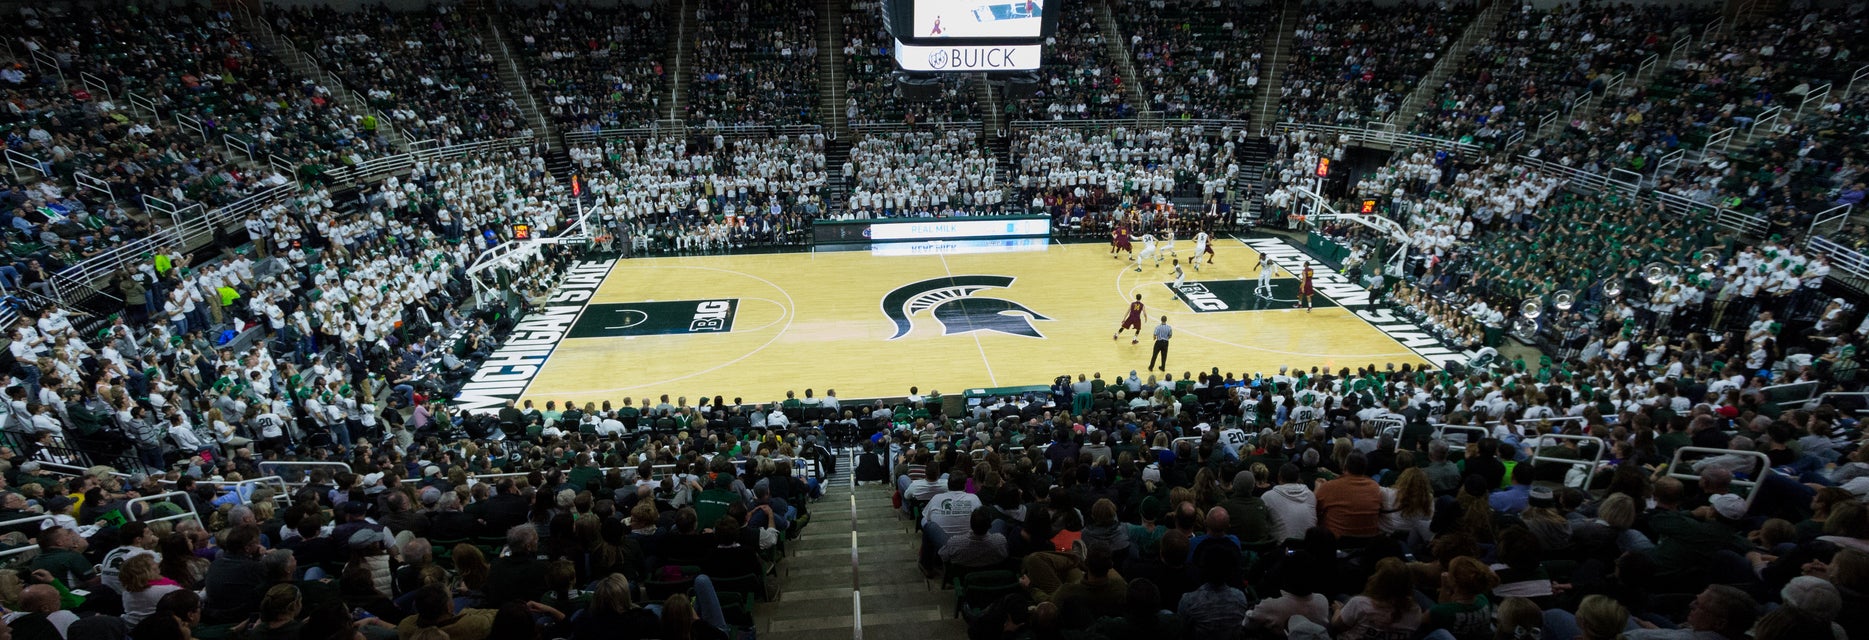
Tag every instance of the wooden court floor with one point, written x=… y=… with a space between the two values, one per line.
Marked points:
x=756 y=326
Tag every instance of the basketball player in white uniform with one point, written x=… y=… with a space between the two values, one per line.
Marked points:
x=1149 y=250
x=1180 y=275
x=1168 y=248
x=1265 y=279
x=1201 y=248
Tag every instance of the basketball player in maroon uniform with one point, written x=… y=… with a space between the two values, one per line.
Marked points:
x=1305 y=290
x=1119 y=243
x=1132 y=321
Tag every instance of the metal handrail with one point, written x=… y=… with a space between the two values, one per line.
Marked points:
x=1838 y=215
x=77 y=471
x=238 y=145
x=1672 y=159
x=25 y=548
x=1442 y=431
x=93 y=183
x=95 y=85
x=188 y=511
x=18 y=160
x=1843 y=260
x=1764 y=462
x=1817 y=96
x=1855 y=78
x=1539 y=443
x=274 y=466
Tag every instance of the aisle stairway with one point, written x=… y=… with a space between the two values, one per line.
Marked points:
x=830 y=37
x=1117 y=47
x=1277 y=48
x=891 y=601
x=303 y=64
x=513 y=79
x=1428 y=90
x=1249 y=185
x=679 y=58
x=836 y=192
x=992 y=115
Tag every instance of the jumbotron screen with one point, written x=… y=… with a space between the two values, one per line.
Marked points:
x=950 y=23
x=973 y=19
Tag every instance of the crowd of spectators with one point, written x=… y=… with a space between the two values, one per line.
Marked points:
x=870 y=89
x=1804 y=161
x=196 y=63
x=1306 y=503
x=416 y=539
x=1294 y=162
x=1131 y=165
x=662 y=195
x=99 y=158
x=921 y=173
x=755 y=64
x=431 y=71
x=1091 y=181
x=1399 y=503
x=1197 y=58
x=594 y=67
x=1538 y=60
x=1353 y=63
x=1076 y=81
x=1488 y=237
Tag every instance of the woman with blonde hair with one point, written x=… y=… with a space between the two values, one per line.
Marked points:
x=1518 y=619
x=470 y=566
x=279 y=616
x=1615 y=519
x=1385 y=609
x=1408 y=507
x=1599 y=617
x=143 y=587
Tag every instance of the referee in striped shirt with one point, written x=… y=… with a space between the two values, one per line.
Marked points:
x=1162 y=333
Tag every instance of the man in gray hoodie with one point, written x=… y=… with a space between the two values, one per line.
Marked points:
x=1292 y=505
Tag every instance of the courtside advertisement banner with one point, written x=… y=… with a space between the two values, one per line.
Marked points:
x=959 y=229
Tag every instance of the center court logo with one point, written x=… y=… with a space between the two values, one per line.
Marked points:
x=952 y=302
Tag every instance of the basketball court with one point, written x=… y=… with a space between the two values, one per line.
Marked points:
x=994 y=314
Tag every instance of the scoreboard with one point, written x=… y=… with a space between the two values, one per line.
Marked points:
x=947 y=36
x=968 y=19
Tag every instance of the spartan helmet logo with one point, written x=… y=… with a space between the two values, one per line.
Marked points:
x=952 y=302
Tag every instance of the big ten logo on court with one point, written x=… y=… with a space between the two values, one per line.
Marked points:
x=1226 y=296
x=1200 y=298
x=712 y=315
x=953 y=303
x=656 y=318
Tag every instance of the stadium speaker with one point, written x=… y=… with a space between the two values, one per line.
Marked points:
x=918 y=88
x=1020 y=86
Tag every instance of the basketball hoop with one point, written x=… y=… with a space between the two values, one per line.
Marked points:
x=1295 y=219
